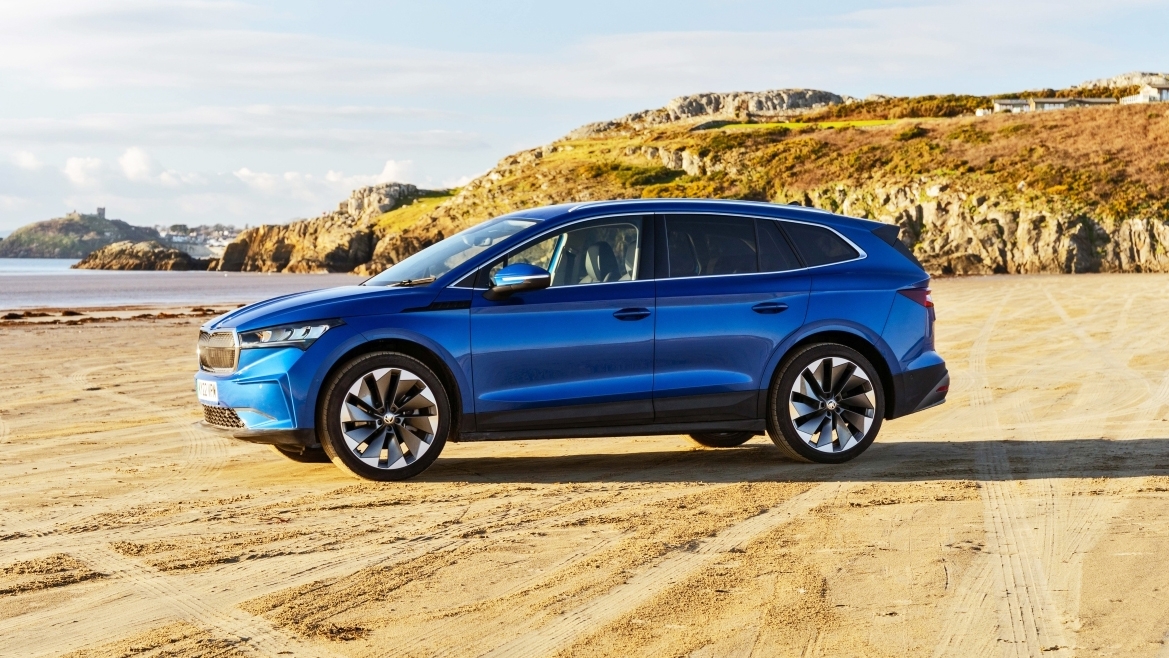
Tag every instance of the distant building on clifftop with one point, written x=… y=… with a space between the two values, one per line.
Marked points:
x=1153 y=92
x=1017 y=105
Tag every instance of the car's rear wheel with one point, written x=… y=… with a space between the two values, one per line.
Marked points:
x=826 y=404
x=305 y=456
x=385 y=416
x=722 y=439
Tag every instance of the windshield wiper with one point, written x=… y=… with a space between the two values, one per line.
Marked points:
x=406 y=283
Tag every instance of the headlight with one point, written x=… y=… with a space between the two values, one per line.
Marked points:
x=289 y=335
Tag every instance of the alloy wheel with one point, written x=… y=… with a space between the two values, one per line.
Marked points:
x=832 y=404
x=389 y=418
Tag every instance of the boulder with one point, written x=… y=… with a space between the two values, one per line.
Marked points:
x=148 y=255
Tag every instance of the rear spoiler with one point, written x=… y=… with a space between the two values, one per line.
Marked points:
x=888 y=234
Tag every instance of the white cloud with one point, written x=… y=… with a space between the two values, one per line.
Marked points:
x=26 y=160
x=83 y=172
x=12 y=202
x=137 y=165
x=331 y=187
x=395 y=171
x=261 y=181
x=460 y=181
x=225 y=127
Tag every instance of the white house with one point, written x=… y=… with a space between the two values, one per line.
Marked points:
x=1154 y=92
x=1012 y=105
x=1046 y=104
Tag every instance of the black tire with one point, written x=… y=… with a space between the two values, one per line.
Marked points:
x=306 y=456
x=336 y=393
x=722 y=439
x=781 y=425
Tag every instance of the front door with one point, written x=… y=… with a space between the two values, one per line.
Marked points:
x=580 y=352
x=730 y=289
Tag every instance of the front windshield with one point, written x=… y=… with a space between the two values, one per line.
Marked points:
x=438 y=259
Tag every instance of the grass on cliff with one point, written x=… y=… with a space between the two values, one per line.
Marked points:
x=399 y=218
x=1109 y=161
x=801 y=125
x=948 y=105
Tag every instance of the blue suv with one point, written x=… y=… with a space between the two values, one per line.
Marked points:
x=717 y=319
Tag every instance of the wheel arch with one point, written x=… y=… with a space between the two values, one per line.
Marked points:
x=413 y=349
x=869 y=348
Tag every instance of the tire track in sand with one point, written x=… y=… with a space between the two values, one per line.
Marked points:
x=260 y=634
x=203 y=454
x=1011 y=572
x=564 y=629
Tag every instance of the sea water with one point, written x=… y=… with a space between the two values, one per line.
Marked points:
x=50 y=283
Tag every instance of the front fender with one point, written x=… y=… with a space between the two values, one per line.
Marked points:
x=447 y=335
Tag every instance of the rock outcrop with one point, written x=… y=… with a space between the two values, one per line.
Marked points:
x=338 y=241
x=148 y=255
x=741 y=105
x=1127 y=80
x=75 y=235
x=956 y=229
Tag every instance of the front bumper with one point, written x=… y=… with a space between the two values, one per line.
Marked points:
x=260 y=396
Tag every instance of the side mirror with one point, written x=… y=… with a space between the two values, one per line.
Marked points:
x=520 y=277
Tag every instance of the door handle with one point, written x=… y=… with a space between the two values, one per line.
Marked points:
x=769 y=308
x=632 y=314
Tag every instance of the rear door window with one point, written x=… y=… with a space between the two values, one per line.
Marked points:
x=775 y=253
x=711 y=245
x=818 y=245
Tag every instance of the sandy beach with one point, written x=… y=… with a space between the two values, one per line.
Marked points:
x=1028 y=516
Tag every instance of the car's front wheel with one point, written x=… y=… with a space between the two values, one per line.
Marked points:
x=826 y=404
x=385 y=416
x=722 y=439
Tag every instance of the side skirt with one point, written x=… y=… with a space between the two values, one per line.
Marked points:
x=654 y=429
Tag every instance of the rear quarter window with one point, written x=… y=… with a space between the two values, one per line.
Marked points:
x=818 y=245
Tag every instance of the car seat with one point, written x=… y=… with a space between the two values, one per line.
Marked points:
x=601 y=264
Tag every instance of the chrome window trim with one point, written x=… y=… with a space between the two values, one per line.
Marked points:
x=728 y=202
x=862 y=253
x=235 y=343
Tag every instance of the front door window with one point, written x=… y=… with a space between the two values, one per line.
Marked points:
x=598 y=252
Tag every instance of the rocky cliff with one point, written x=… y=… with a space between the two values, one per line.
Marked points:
x=754 y=105
x=337 y=241
x=75 y=235
x=1083 y=190
x=148 y=255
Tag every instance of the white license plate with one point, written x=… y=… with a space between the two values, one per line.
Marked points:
x=208 y=391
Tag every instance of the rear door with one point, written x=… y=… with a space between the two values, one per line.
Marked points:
x=730 y=289
x=580 y=352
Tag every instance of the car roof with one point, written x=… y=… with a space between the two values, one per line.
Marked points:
x=570 y=211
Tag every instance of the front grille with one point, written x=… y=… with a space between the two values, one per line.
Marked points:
x=222 y=417
x=217 y=351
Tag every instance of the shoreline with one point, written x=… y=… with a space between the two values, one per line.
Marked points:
x=101 y=289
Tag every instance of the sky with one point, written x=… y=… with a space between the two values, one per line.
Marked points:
x=210 y=111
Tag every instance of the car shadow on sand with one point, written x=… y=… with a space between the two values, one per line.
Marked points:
x=759 y=460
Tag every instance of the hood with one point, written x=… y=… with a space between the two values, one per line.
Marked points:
x=325 y=304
